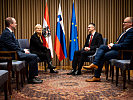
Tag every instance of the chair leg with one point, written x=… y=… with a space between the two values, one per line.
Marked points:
x=112 y=67
x=124 y=79
x=117 y=75
x=22 y=79
x=9 y=77
x=106 y=69
x=24 y=73
x=45 y=66
x=129 y=75
x=5 y=90
x=17 y=79
x=27 y=71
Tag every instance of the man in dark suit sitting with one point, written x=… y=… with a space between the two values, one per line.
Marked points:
x=124 y=41
x=93 y=41
x=9 y=43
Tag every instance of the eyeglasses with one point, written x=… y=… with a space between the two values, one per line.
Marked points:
x=126 y=22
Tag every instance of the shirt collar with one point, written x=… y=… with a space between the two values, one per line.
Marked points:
x=93 y=33
x=9 y=29
x=128 y=29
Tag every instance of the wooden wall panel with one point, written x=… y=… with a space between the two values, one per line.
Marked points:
x=108 y=16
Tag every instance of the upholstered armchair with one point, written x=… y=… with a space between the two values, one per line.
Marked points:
x=3 y=75
x=123 y=65
x=4 y=82
x=16 y=66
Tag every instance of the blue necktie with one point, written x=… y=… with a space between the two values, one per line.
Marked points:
x=13 y=35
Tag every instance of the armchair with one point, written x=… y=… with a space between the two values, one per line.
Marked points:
x=4 y=78
x=124 y=65
x=24 y=43
x=9 y=66
x=16 y=66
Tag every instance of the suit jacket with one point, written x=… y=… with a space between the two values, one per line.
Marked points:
x=9 y=42
x=36 y=46
x=96 y=41
x=126 y=41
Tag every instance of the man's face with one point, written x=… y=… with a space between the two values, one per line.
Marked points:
x=13 y=25
x=127 y=24
x=91 y=28
x=38 y=29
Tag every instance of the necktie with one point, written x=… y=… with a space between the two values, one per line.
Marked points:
x=120 y=37
x=13 y=35
x=90 y=41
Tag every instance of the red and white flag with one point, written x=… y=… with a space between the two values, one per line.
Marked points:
x=47 y=41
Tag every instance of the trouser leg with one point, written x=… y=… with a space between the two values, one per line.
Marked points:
x=84 y=55
x=77 y=55
x=110 y=54
x=32 y=60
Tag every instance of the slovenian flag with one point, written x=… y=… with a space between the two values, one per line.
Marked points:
x=73 y=36
x=60 y=43
x=47 y=41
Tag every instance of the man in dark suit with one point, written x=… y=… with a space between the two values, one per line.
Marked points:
x=9 y=43
x=124 y=41
x=93 y=41
x=36 y=47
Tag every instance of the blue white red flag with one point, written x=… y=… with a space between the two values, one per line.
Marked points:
x=60 y=42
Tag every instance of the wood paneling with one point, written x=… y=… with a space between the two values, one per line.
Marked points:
x=106 y=14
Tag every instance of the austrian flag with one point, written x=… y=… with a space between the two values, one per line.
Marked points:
x=47 y=41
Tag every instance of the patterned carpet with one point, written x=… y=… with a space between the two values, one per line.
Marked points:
x=67 y=87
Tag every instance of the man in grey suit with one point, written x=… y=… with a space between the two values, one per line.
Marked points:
x=110 y=51
x=93 y=41
x=10 y=43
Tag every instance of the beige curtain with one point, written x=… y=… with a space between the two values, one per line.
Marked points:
x=108 y=16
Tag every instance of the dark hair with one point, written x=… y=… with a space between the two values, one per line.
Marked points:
x=92 y=24
x=8 y=21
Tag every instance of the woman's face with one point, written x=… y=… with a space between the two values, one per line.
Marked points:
x=38 y=29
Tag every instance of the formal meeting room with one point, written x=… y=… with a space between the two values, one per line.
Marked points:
x=66 y=49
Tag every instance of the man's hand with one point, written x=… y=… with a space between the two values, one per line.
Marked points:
x=27 y=51
x=87 y=49
x=110 y=45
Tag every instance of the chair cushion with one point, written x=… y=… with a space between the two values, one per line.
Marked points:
x=3 y=76
x=112 y=61
x=124 y=64
x=17 y=65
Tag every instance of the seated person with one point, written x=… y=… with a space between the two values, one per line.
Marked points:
x=93 y=41
x=110 y=51
x=36 y=46
x=9 y=43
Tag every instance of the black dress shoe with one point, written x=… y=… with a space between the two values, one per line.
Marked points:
x=77 y=73
x=71 y=73
x=38 y=79
x=35 y=81
x=53 y=71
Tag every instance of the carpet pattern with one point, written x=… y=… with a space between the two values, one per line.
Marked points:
x=67 y=87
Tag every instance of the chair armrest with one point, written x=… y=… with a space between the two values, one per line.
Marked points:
x=5 y=59
x=9 y=53
x=8 y=60
x=121 y=52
